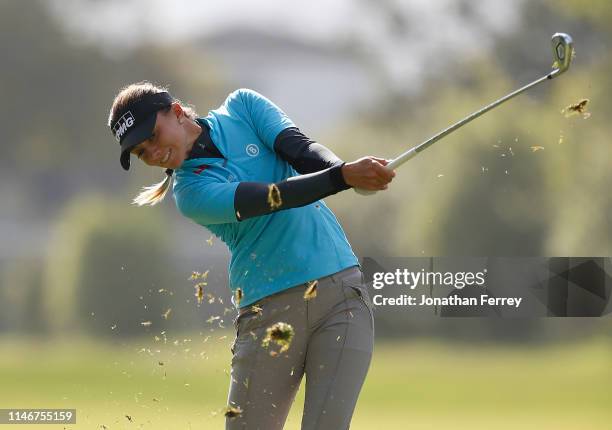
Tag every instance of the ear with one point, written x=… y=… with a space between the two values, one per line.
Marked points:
x=178 y=111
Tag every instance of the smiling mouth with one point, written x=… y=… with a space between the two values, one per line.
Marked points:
x=166 y=158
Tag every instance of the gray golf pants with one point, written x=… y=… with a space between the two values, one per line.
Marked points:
x=332 y=346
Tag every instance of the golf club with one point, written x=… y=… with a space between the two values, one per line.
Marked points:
x=563 y=51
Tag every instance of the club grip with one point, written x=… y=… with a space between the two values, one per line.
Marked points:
x=364 y=192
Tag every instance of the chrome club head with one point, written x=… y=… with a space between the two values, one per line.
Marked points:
x=563 y=51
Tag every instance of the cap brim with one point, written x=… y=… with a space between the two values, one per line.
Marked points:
x=142 y=132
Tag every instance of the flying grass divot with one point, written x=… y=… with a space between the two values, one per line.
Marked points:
x=257 y=309
x=311 y=290
x=199 y=286
x=578 y=108
x=238 y=297
x=199 y=293
x=281 y=334
x=233 y=412
x=274 y=197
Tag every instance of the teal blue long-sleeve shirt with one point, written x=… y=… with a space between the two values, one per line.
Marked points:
x=272 y=252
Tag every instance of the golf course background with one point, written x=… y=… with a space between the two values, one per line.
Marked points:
x=95 y=293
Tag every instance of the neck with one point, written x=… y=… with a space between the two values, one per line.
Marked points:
x=193 y=132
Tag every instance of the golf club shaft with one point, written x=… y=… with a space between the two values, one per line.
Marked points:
x=563 y=52
x=411 y=153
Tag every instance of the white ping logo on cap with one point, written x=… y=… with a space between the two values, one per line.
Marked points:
x=123 y=124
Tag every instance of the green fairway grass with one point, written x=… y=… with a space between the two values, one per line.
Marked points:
x=182 y=384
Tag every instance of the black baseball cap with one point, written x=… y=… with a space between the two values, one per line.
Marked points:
x=136 y=122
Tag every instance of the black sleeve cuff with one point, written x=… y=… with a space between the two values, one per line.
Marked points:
x=337 y=178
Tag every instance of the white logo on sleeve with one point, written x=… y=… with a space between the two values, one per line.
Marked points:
x=252 y=150
x=123 y=124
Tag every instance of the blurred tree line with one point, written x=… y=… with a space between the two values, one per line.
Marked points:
x=488 y=189
x=105 y=260
x=484 y=190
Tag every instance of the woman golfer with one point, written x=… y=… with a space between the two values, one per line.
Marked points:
x=248 y=174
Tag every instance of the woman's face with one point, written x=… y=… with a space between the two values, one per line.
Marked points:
x=168 y=146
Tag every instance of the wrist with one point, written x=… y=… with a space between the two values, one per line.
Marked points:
x=338 y=176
